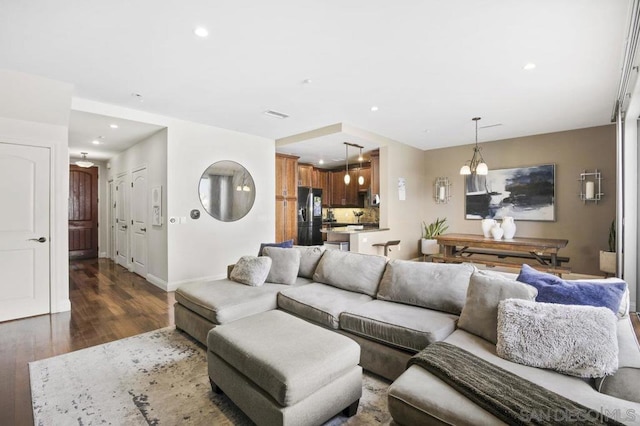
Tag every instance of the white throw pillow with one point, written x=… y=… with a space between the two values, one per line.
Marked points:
x=573 y=339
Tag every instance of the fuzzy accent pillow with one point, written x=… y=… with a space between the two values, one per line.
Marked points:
x=575 y=340
x=251 y=270
x=480 y=312
x=284 y=266
x=552 y=289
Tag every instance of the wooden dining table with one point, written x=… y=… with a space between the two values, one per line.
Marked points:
x=544 y=251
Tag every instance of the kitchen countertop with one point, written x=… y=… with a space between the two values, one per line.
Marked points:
x=347 y=230
x=340 y=224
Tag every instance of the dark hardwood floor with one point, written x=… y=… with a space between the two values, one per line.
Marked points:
x=107 y=303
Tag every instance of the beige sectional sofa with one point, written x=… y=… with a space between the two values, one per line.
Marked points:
x=393 y=310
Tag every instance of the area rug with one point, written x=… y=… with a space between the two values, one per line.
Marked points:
x=156 y=378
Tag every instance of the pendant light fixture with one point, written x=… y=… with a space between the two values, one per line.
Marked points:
x=84 y=162
x=477 y=164
x=347 y=178
x=360 y=177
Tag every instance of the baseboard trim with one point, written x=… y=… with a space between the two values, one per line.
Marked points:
x=103 y=254
x=158 y=282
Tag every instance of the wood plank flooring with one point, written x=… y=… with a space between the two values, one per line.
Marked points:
x=107 y=303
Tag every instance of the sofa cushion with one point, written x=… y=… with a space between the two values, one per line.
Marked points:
x=431 y=285
x=309 y=258
x=480 y=312
x=284 y=244
x=552 y=289
x=418 y=397
x=251 y=270
x=284 y=265
x=224 y=300
x=320 y=303
x=395 y=324
x=576 y=340
x=351 y=271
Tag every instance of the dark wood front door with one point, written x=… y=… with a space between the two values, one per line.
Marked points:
x=83 y=212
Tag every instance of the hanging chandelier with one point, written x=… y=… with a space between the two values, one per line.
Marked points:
x=360 y=177
x=84 y=162
x=477 y=164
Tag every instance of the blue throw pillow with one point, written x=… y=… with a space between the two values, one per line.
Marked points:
x=284 y=244
x=553 y=289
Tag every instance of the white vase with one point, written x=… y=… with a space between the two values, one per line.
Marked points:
x=487 y=224
x=497 y=232
x=430 y=246
x=608 y=262
x=509 y=227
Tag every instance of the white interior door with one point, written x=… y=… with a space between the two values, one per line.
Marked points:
x=122 y=220
x=140 y=214
x=24 y=231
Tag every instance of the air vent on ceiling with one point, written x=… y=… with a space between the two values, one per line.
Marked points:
x=490 y=125
x=276 y=114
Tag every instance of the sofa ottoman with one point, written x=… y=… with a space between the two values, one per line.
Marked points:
x=279 y=369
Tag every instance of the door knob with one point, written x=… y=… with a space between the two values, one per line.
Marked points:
x=143 y=229
x=40 y=240
x=124 y=227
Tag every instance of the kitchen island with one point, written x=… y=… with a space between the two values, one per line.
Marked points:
x=355 y=235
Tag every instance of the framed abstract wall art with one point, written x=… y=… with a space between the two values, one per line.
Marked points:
x=524 y=193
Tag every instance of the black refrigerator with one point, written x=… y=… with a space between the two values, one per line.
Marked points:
x=309 y=216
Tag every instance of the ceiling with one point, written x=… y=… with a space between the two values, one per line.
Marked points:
x=428 y=66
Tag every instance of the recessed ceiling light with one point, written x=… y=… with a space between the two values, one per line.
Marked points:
x=113 y=126
x=307 y=81
x=529 y=66
x=96 y=142
x=374 y=108
x=201 y=32
x=321 y=161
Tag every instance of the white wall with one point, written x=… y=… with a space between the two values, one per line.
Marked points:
x=35 y=111
x=201 y=249
x=150 y=153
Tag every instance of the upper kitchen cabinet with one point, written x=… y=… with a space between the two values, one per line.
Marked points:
x=338 y=189
x=286 y=176
x=305 y=175
x=366 y=175
x=322 y=180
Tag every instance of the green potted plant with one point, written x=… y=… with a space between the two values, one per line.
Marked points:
x=608 y=258
x=429 y=244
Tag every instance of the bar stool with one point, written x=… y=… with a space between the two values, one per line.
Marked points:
x=387 y=246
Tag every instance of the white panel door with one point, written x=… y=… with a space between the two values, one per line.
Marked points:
x=24 y=231
x=139 y=213
x=122 y=221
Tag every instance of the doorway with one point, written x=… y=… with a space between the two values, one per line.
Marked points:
x=139 y=215
x=83 y=212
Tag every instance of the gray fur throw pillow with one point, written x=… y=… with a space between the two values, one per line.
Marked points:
x=572 y=339
x=251 y=270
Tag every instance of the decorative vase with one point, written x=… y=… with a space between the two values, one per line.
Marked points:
x=509 y=227
x=497 y=232
x=430 y=246
x=608 y=262
x=487 y=224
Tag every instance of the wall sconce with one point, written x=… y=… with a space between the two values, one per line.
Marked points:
x=442 y=190
x=590 y=186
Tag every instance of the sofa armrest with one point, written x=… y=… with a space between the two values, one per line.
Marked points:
x=229 y=269
x=624 y=383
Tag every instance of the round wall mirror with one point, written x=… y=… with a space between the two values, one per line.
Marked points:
x=227 y=191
